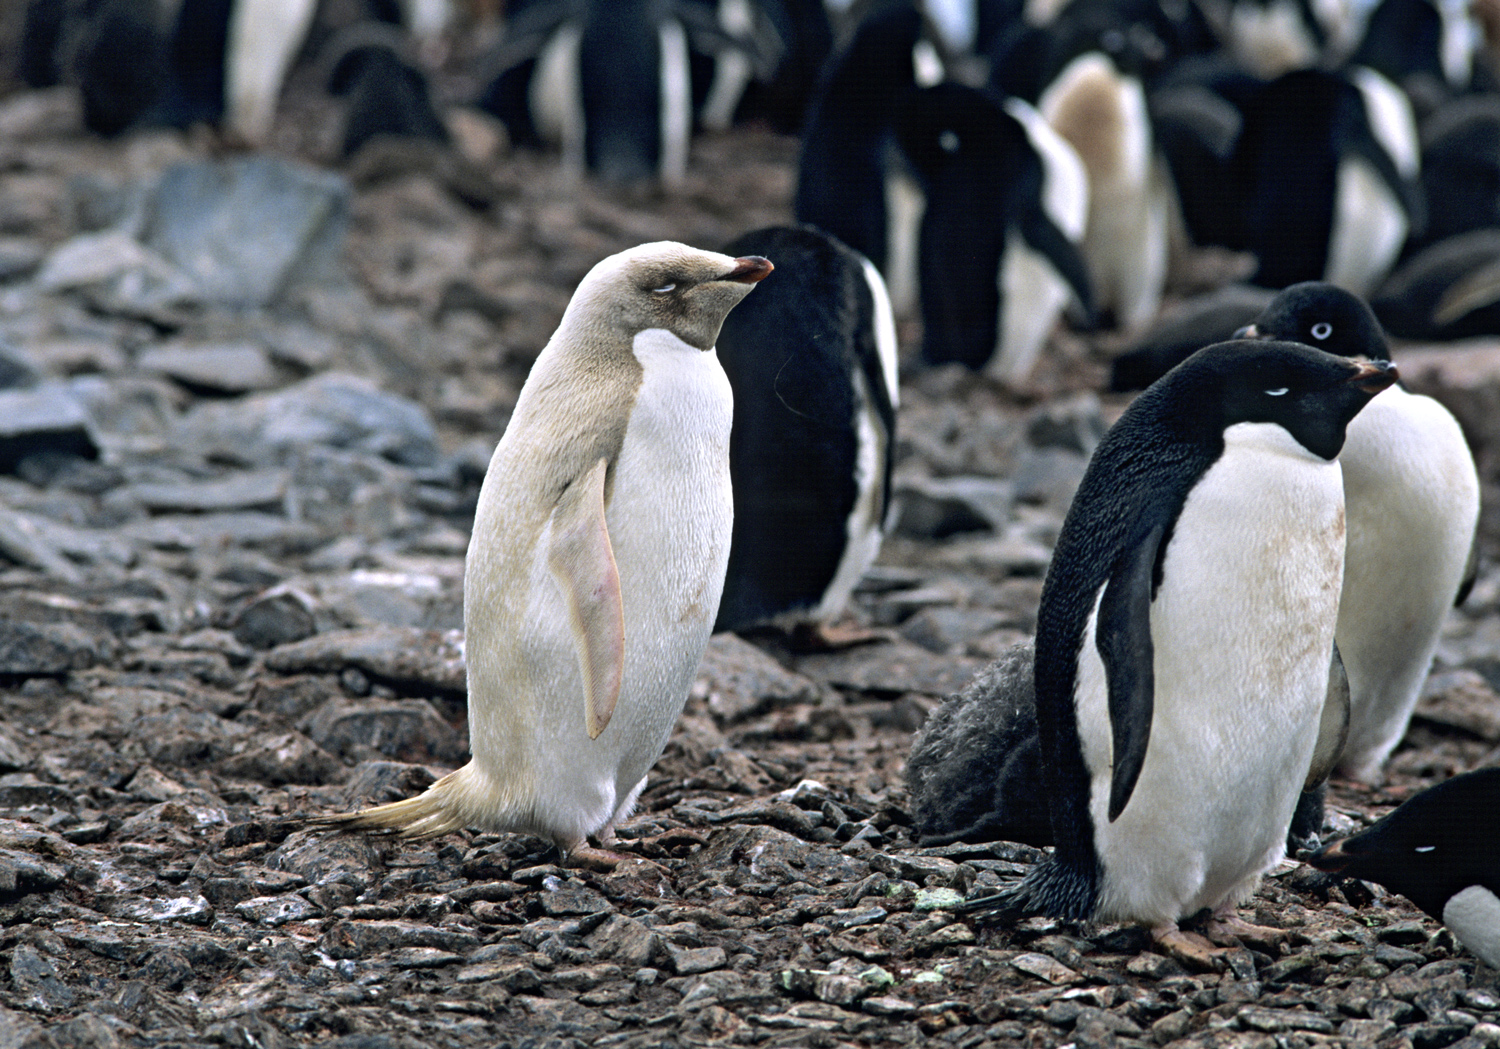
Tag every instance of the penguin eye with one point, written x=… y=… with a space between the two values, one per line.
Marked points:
x=664 y=289
x=1280 y=391
x=1425 y=848
x=1322 y=330
x=949 y=141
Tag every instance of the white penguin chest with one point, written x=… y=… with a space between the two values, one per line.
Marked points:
x=672 y=506
x=1242 y=631
x=1474 y=917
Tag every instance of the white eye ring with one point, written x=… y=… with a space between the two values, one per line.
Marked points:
x=1425 y=848
x=1280 y=391
x=663 y=289
x=1322 y=330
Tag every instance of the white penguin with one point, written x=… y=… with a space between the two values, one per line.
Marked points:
x=1413 y=506
x=598 y=556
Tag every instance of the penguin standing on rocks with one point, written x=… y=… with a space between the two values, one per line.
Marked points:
x=597 y=560
x=1441 y=850
x=1413 y=506
x=812 y=361
x=1184 y=637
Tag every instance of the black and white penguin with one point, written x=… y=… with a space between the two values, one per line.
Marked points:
x=812 y=361
x=264 y=38
x=851 y=181
x=1441 y=850
x=609 y=81
x=1412 y=493
x=1461 y=168
x=1450 y=290
x=387 y=93
x=1327 y=167
x=1184 y=638
x=1006 y=202
x=598 y=555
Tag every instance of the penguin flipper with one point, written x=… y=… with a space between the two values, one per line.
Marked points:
x=583 y=562
x=1474 y=291
x=1123 y=637
x=1042 y=234
x=1333 y=727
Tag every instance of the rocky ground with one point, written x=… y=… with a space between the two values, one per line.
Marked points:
x=240 y=465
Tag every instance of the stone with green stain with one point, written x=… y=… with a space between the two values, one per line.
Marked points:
x=937 y=899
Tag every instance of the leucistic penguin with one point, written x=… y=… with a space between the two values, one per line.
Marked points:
x=812 y=361
x=598 y=555
x=1100 y=110
x=1184 y=637
x=1006 y=202
x=1441 y=850
x=1412 y=492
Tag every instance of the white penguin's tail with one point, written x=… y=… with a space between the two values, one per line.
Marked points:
x=437 y=810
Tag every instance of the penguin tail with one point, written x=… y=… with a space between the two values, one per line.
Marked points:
x=437 y=810
x=1052 y=888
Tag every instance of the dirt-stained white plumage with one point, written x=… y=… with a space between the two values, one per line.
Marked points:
x=598 y=555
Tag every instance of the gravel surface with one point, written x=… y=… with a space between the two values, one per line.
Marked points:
x=237 y=494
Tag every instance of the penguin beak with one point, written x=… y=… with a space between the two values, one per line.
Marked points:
x=1249 y=331
x=1373 y=376
x=752 y=269
x=1331 y=858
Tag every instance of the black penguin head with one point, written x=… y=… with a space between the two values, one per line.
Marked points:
x=1324 y=316
x=1311 y=394
x=1439 y=843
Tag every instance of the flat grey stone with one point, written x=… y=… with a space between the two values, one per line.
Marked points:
x=408 y=657
x=226 y=367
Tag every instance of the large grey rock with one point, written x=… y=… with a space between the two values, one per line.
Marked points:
x=415 y=660
x=47 y=418
x=344 y=411
x=229 y=367
x=245 y=231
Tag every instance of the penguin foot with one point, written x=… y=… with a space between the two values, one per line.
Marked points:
x=592 y=858
x=830 y=637
x=1230 y=930
x=1190 y=948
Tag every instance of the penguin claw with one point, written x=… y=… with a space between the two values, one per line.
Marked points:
x=1191 y=949
x=1232 y=931
x=830 y=637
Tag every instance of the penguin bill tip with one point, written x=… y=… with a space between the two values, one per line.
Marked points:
x=1374 y=376
x=750 y=269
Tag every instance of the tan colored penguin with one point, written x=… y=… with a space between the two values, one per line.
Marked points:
x=598 y=556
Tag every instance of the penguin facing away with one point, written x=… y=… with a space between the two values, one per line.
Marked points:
x=812 y=362
x=1412 y=492
x=1184 y=639
x=1441 y=850
x=1006 y=202
x=598 y=556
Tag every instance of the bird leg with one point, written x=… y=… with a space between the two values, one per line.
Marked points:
x=1228 y=929
x=1190 y=948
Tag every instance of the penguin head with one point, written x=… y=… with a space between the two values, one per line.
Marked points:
x=1311 y=394
x=1324 y=316
x=664 y=285
x=1437 y=844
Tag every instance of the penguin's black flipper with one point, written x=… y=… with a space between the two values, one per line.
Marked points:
x=1042 y=234
x=1123 y=637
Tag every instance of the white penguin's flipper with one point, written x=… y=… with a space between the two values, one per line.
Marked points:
x=583 y=562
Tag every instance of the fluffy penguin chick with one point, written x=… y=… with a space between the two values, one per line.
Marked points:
x=1412 y=493
x=1184 y=637
x=598 y=555
x=1441 y=850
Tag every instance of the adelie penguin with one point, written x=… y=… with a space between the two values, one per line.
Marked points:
x=1184 y=637
x=1441 y=850
x=1412 y=492
x=597 y=559
x=812 y=361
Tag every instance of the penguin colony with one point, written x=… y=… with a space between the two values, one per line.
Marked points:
x=1000 y=172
